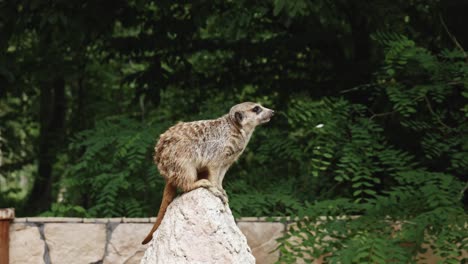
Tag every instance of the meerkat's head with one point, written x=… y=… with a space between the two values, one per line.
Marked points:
x=248 y=115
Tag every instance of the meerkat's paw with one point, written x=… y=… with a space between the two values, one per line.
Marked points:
x=224 y=198
x=226 y=201
x=204 y=183
x=219 y=194
x=224 y=192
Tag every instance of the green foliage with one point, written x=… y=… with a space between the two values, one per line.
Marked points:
x=291 y=8
x=115 y=173
x=395 y=206
x=417 y=84
x=422 y=209
x=246 y=200
x=16 y=152
x=62 y=210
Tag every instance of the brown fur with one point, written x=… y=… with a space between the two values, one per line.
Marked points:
x=198 y=154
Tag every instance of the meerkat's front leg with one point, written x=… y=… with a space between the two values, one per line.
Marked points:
x=216 y=177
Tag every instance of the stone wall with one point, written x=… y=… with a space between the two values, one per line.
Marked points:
x=118 y=240
x=112 y=240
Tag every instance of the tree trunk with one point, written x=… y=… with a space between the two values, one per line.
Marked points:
x=51 y=138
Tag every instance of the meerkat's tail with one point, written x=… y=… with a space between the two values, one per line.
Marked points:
x=168 y=195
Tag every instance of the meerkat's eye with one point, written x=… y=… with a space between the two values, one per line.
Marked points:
x=257 y=109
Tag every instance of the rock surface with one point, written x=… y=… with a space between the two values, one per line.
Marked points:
x=75 y=243
x=197 y=229
x=26 y=245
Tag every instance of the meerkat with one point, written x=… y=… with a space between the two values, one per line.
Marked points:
x=190 y=155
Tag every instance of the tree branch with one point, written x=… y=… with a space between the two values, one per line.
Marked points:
x=382 y=114
x=428 y=104
x=452 y=37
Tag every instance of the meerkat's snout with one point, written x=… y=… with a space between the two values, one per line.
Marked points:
x=269 y=113
x=272 y=113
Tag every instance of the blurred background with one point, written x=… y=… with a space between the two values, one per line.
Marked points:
x=371 y=99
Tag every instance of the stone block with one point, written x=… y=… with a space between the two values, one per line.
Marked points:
x=75 y=242
x=247 y=219
x=38 y=219
x=135 y=220
x=115 y=220
x=26 y=245
x=261 y=237
x=125 y=243
x=55 y=219
x=90 y=220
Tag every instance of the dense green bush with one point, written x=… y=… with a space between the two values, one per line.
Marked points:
x=393 y=200
x=114 y=175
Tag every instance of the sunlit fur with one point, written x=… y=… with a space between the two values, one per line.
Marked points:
x=211 y=145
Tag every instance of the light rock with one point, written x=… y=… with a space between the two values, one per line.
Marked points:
x=26 y=245
x=261 y=238
x=75 y=242
x=125 y=244
x=197 y=229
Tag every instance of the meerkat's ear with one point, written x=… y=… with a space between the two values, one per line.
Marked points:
x=239 y=117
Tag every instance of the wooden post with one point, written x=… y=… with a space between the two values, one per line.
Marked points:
x=6 y=215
